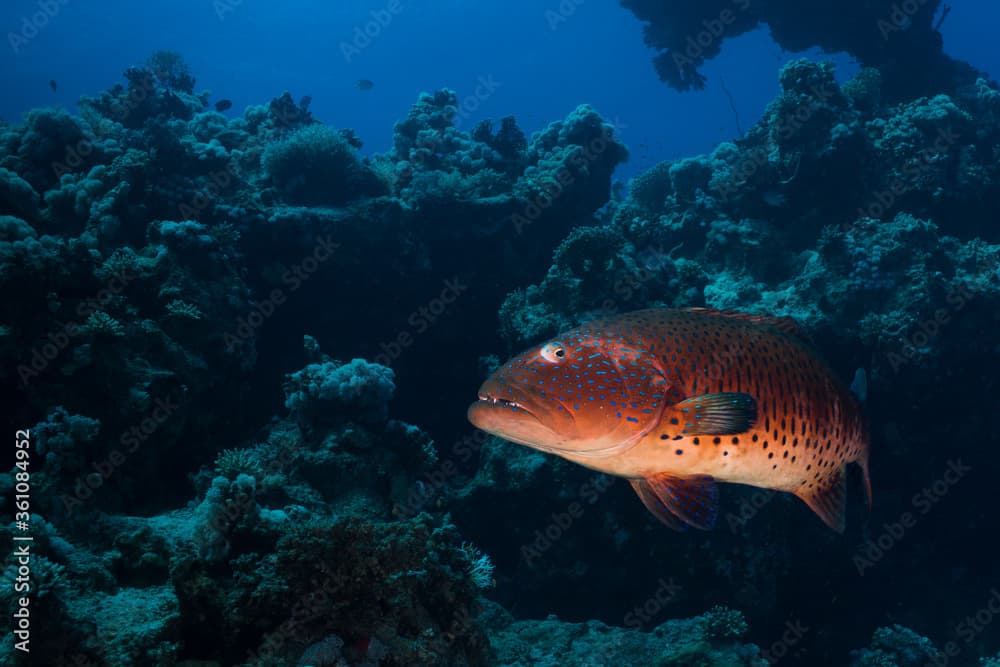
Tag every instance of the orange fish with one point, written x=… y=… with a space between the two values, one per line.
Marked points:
x=675 y=400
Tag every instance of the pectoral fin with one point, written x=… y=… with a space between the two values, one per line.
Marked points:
x=726 y=413
x=679 y=502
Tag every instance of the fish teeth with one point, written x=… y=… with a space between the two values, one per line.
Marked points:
x=497 y=401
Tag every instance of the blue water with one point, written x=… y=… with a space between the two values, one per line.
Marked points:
x=250 y=51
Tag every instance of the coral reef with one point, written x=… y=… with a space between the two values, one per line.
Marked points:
x=552 y=642
x=358 y=388
x=897 y=647
x=318 y=165
x=858 y=221
x=171 y=266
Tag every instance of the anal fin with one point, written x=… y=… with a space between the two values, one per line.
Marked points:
x=829 y=500
x=680 y=502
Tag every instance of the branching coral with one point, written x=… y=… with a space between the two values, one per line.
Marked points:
x=183 y=309
x=171 y=70
x=480 y=567
x=318 y=165
x=358 y=388
x=231 y=463
x=102 y=325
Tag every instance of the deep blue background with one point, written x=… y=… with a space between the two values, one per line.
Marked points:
x=259 y=49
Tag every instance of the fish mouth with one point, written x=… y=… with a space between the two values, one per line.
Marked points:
x=502 y=402
x=511 y=420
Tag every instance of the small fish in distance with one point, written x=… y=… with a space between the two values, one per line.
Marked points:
x=223 y=105
x=675 y=400
x=53 y=85
x=365 y=84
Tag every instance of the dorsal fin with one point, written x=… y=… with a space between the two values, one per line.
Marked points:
x=785 y=324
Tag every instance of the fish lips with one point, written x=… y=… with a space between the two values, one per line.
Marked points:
x=512 y=420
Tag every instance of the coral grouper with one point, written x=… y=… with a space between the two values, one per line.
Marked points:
x=674 y=400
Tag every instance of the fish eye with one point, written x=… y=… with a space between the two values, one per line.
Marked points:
x=553 y=353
